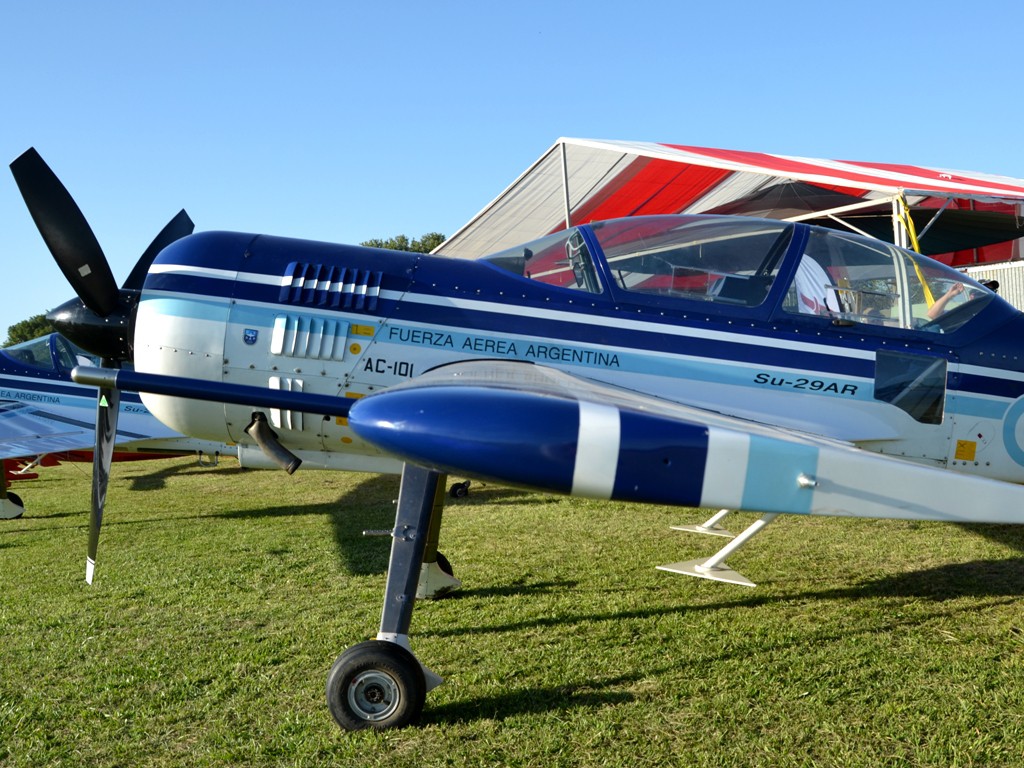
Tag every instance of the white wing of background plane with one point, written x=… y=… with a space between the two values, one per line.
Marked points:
x=31 y=430
x=26 y=430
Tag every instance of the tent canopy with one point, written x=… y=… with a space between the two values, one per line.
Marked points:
x=956 y=214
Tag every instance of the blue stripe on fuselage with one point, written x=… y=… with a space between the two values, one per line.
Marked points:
x=691 y=349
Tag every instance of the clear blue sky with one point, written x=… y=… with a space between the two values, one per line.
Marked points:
x=345 y=122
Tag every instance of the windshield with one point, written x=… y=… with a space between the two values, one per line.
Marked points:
x=731 y=260
x=36 y=353
x=561 y=260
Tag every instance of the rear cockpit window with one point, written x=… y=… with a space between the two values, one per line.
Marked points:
x=717 y=259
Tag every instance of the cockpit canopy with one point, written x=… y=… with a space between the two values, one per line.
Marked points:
x=733 y=260
x=50 y=353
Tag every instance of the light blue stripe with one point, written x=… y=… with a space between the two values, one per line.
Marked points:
x=693 y=369
x=772 y=470
x=192 y=308
x=965 y=405
x=593 y=356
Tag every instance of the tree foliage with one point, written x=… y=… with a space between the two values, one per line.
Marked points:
x=27 y=330
x=425 y=244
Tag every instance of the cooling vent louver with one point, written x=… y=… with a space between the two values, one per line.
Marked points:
x=281 y=419
x=309 y=337
x=317 y=285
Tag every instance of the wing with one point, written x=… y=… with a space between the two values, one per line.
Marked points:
x=533 y=426
x=31 y=430
x=26 y=430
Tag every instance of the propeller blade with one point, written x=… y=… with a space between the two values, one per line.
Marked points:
x=177 y=228
x=107 y=407
x=66 y=233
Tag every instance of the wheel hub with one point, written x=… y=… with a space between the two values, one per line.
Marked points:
x=373 y=695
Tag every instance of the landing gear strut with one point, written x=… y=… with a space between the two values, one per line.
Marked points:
x=380 y=683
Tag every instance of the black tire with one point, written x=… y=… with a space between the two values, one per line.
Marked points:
x=376 y=684
x=444 y=565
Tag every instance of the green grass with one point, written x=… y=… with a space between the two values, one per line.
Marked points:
x=222 y=597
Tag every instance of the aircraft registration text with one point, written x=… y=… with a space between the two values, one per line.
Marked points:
x=812 y=385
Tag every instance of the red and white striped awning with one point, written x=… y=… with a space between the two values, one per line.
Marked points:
x=583 y=180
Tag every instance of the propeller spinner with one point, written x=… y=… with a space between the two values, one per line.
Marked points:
x=100 y=319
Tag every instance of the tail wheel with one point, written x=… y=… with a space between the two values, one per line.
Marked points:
x=459 y=490
x=376 y=684
x=11 y=506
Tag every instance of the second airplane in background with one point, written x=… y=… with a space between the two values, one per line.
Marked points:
x=46 y=417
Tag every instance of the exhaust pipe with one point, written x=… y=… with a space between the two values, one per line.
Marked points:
x=266 y=438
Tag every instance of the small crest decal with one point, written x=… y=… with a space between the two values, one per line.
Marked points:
x=250 y=335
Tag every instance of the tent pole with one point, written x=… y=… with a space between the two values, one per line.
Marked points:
x=899 y=233
x=565 y=187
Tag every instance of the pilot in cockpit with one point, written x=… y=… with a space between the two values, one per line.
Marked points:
x=815 y=294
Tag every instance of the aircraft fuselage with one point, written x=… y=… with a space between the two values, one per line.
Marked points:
x=349 y=321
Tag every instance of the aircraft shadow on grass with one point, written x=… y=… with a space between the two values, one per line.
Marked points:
x=368 y=506
x=1000 y=580
x=586 y=694
x=1007 y=535
x=513 y=589
x=157 y=479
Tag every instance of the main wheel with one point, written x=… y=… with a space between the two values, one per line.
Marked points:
x=459 y=490
x=376 y=684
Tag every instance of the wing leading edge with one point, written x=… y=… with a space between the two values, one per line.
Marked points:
x=31 y=430
x=537 y=427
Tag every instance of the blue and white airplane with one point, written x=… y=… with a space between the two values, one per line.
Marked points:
x=45 y=415
x=699 y=361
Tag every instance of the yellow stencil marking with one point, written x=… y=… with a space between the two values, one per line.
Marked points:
x=965 y=450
